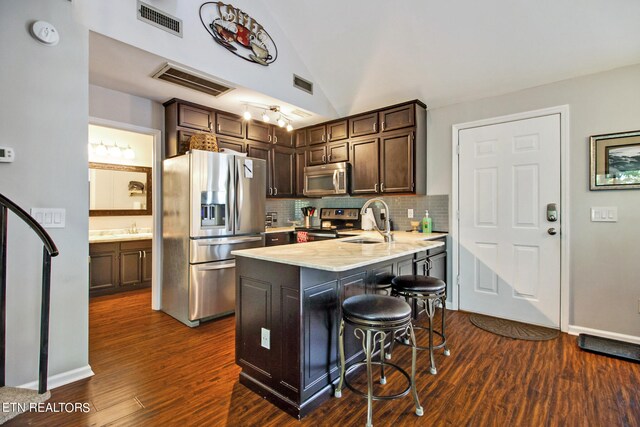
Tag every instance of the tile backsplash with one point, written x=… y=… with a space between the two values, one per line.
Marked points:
x=438 y=206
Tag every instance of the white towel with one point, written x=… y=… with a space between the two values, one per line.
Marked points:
x=368 y=220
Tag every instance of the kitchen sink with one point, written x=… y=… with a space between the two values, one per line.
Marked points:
x=363 y=241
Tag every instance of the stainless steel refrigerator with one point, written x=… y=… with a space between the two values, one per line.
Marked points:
x=212 y=204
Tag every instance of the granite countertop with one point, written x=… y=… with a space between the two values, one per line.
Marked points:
x=119 y=235
x=339 y=255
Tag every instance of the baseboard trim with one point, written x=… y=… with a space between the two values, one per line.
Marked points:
x=576 y=330
x=55 y=381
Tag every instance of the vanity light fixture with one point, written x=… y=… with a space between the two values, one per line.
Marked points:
x=102 y=149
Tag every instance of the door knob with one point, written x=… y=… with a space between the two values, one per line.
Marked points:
x=552 y=231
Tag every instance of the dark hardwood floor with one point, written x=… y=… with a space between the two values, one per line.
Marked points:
x=153 y=371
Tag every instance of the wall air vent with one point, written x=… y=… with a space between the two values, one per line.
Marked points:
x=300 y=113
x=160 y=19
x=191 y=79
x=302 y=84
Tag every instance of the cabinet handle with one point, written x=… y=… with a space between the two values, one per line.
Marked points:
x=329 y=158
x=324 y=158
x=329 y=136
x=375 y=187
x=383 y=126
x=375 y=126
x=269 y=136
x=144 y=254
x=139 y=254
x=324 y=137
x=275 y=191
x=218 y=127
x=270 y=191
x=382 y=187
x=274 y=240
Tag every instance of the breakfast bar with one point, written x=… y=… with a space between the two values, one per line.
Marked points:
x=288 y=301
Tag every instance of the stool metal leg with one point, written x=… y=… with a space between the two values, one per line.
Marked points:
x=382 y=339
x=444 y=337
x=430 y=309
x=368 y=351
x=414 y=353
x=338 y=391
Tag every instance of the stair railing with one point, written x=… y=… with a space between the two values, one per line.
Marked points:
x=49 y=250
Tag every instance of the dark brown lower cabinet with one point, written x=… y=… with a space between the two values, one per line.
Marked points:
x=432 y=262
x=287 y=326
x=119 y=266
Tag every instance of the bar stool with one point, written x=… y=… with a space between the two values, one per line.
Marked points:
x=373 y=317
x=427 y=292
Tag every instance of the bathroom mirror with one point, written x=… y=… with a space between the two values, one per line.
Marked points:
x=118 y=190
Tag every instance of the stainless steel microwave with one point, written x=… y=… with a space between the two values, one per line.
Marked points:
x=327 y=180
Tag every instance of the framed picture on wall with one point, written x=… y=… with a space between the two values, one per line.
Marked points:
x=615 y=161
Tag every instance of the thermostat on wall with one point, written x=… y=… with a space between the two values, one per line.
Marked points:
x=6 y=155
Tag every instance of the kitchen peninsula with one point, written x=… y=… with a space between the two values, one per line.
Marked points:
x=288 y=301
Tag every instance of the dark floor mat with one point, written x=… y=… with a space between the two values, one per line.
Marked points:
x=607 y=347
x=513 y=329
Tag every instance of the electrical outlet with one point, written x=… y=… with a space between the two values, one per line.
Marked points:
x=265 y=339
x=409 y=213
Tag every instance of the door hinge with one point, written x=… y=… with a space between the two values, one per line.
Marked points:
x=458 y=214
x=458 y=280
x=458 y=149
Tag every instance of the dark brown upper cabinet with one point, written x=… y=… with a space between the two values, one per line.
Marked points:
x=229 y=125
x=283 y=171
x=317 y=155
x=329 y=153
x=282 y=137
x=262 y=151
x=301 y=138
x=366 y=124
x=301 y=162
x=396 y=162
x=235 y=144
x=258 y=131
x=397 y=118
x=317 y=135
x=364 y=162
x=337 y=131
x=194 y=117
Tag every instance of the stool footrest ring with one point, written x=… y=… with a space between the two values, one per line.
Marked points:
x=378 y=397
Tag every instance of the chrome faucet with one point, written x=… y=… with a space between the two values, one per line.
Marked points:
x=386 y=234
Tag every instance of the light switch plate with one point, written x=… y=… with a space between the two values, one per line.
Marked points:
x=604 y=214
x=49 y=217
x=409 y=213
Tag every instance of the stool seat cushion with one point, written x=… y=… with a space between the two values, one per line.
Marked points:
x=378 y=308
x=411 y=283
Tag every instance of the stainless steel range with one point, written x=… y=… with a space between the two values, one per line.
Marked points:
x=333 y=221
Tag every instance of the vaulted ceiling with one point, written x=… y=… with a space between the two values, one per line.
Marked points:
x=367 y=53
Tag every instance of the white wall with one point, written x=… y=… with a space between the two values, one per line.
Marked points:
x=197 y=49
x=122 y=107
x=43 y=115
x=604 y=266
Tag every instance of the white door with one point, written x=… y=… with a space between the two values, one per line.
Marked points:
x=509 y=258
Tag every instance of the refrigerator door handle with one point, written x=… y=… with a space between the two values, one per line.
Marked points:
x=229 y=203
x=239 y=199
x=216 y=267
x=228 y=241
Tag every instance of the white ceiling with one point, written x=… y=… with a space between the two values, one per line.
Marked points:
x=368 y=53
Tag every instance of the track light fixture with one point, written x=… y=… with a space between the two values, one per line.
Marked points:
x=267 y=113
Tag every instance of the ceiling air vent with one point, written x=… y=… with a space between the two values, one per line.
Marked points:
x=160 y=19
x=191 y=79
x=302 y=84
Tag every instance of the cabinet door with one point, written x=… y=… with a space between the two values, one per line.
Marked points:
x=262 y=151
x=396 y=163
x=147 y=266
x=283 y=171
x=231 y=143
x=316 y=135
x=229 y=125
x=183 y=142
x=194 y=117
x=282 y=137
x=364 y=159
x=301 y=138
x=317 y=155
x=379 y=277
x=363 y=125
x=437 y=266
x=337 y=131
x=130 y=267
x=405 y=267
x=301 y=162
x=338 y=152
x=398 y=118
x=421 y=267
x=351 y=286
x=103 y=267
x=257 y=131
